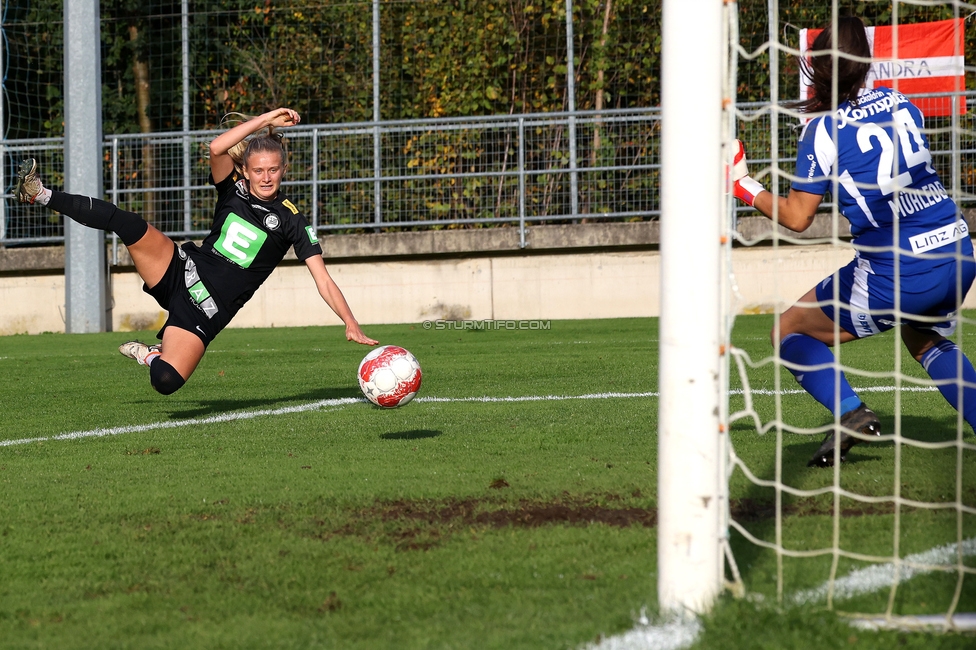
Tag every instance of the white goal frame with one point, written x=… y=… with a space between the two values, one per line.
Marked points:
x=700 y=49
x=692 y=445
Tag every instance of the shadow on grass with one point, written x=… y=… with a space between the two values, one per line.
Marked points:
x=927 y=429
x=211 y=407
x=413 y=434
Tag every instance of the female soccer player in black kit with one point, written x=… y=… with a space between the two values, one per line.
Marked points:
x=203 y=287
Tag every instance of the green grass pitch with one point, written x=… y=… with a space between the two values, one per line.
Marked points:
x=265 y=506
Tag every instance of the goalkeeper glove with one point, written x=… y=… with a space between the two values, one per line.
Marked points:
x=744 y=187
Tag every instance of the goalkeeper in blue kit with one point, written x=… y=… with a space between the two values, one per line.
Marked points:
x=913 y=260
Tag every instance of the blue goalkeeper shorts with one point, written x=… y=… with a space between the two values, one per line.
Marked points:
x=866 y=300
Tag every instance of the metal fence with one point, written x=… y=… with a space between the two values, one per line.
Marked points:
x=510 y=171
x=507 y=170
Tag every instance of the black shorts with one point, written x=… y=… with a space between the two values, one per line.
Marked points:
x=183 y=293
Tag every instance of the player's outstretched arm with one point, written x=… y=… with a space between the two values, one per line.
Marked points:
x=221 y=163
x=795 y=211
x=333 y=297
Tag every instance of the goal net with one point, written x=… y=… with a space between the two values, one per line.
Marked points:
x=880 y=526
x=888 y=536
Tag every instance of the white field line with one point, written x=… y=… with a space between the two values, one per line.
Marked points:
x=175 y=424
x=678 y=635
x=879 y=576
x=735 y=391
x=929 y=623
x=673 y=635
x=346 y=401
x=864 y=389
x=300 y=408
x=537 y=398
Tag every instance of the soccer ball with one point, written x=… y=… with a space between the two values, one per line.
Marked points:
x=389 y=376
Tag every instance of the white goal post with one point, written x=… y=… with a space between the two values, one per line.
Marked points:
x=691 y=485
x=899 y=509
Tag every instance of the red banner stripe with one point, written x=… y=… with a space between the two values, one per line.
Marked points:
x=917 y=43
x=940 y=38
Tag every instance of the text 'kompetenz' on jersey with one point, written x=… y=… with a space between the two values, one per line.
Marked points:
x=875 y=160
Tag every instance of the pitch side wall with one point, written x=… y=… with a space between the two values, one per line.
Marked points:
x=564 y=272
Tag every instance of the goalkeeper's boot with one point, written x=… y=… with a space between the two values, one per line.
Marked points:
x=28 y=186
x=861 y=420
x=140 y=351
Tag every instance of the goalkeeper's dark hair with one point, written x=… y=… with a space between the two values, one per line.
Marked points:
x=853 y=63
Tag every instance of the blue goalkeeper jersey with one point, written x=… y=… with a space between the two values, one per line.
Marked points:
x=875 y=161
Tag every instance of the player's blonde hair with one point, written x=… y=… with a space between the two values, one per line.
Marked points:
x=266 y=140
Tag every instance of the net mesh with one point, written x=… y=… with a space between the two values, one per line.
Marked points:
x=474 y=106
x=891 y=532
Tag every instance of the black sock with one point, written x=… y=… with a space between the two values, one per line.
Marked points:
x=101 y=215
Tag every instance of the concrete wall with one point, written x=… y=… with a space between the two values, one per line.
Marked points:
x=566 y=272
x=600 y=285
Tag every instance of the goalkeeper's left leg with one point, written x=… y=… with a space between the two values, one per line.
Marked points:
x=946 y=365
x=806 y=332
x=829 y=387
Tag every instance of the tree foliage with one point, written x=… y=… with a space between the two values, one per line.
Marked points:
x=437 y=57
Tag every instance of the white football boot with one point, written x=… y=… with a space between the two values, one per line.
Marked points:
x=139 y=351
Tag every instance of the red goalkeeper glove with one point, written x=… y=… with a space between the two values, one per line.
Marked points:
x=744 y=187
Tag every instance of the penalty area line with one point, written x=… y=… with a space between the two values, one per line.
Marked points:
x=176 y=424
x=346 y=401
x=300 y=408
x=536 y=398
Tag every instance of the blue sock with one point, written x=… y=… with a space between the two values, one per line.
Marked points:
x=942 y=364
x=803 y=350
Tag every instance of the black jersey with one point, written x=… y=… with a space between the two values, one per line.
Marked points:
x=247 y=240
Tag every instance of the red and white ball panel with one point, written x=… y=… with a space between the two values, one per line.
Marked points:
x=390 y=376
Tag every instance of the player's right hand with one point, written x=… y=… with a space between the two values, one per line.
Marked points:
x=744 y=187
x=356 y=334
x=283 y=117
